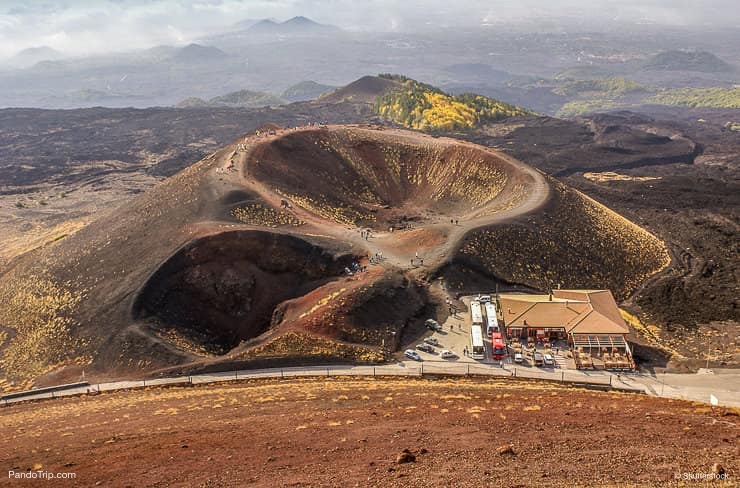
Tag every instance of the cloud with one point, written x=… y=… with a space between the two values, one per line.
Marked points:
x=89 y=26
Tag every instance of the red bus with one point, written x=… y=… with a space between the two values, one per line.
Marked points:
x=499 y=349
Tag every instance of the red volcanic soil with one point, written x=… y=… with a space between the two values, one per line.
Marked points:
x=350 y=432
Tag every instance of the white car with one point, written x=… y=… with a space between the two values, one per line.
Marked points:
x=549 y=361
x=518 y=358
x=484 y=298
x=445 y=354
x=411 y=354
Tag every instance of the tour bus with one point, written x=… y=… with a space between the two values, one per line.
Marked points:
x=491 y=319
x=478 y=349
x=498 y=349
x=476 y=314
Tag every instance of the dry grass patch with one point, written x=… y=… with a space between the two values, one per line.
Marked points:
x=262 y=215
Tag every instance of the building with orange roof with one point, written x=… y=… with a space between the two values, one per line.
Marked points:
x=588 y=319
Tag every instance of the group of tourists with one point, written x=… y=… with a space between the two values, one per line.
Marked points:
x=354 y=268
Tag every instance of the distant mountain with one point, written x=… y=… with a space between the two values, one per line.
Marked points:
x=244 y=24
x=241 y=98
x=33 y=55
x=295 y=26
x=364 y=90
x=306 y=90
x=197 y=53
x=676 y=60
x=265 y=26
x=305 y=24
x=193 y=102
x=420 y=106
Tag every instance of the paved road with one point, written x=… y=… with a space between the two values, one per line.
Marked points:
x=723 y=384
x=691 y=387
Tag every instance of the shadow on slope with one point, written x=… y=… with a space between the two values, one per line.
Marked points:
x=224 y=288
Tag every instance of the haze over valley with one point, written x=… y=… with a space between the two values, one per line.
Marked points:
x=512 y=229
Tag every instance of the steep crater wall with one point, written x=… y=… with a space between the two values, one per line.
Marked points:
x=224 y=288
x=366 y=177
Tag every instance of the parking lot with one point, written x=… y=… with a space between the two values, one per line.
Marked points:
x=455 y=337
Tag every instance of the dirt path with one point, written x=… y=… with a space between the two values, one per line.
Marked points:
x=435 y=239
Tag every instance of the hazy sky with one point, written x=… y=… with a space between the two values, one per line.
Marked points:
x=87 y=26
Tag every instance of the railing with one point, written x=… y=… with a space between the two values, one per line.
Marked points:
x=426 y=368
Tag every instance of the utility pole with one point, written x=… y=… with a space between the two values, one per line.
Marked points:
x=709 y=348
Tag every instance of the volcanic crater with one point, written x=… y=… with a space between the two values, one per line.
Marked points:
x=375 y=177
x=224 y=287
x=244 y=256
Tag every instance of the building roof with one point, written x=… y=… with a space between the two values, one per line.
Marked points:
x=578 y=311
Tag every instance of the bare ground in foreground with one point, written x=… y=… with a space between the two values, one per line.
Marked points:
x=349 y=432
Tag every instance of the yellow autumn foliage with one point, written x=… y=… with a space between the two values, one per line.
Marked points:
x=420 y=106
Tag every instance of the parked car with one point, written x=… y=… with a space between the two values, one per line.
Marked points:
x=432 y=341
x=538 y=359
x=518 y=358
x=411 y=354
x=433 y=324
x=549 y=361
x=445 y=354
x=484 y=298
x=425 y=347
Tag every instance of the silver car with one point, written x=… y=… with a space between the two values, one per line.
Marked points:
x=411 y=354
